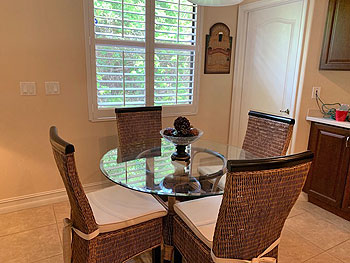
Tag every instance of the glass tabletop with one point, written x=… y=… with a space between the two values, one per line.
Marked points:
x=148 y=167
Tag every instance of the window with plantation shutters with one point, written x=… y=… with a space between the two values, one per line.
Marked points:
x=142 y=53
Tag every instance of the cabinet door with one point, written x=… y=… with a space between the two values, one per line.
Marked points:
x=346 y=199
x=336 y=44
x=326 y=181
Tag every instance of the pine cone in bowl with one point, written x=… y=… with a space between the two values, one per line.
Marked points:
x=194 y=132
x=183 y=126
x=169 y=131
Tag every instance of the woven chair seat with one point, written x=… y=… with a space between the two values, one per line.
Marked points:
x=200 y=215
x=117 y=207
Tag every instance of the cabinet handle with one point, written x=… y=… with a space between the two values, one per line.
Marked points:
x=347 y=142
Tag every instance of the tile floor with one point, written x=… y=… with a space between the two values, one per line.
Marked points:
x=310 y=235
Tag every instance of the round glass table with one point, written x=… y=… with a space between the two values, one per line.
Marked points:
x=148 y=167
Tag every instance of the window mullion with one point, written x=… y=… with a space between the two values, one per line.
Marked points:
x=122 y=18
x=150 y=7
x=177 y=77
x=123 y=59
x=178 y=23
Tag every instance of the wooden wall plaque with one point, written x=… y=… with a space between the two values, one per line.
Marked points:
x=218 y=47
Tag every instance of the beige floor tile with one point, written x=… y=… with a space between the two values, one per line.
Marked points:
x=341 y=251
x=27 y=219
x=318 y=231
x=332 y=218
x=32 y=245
x=17 y=260
x=60 y=231
x=296 y=211
x=143 y=258
x=323 y=258
x=295 y=249
x=303 y=197
x=307 y=206
x=55 y=259
x=146 y=257
x=62 y=210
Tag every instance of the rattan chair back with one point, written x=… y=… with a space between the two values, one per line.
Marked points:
x=139 y=124
x=267 y=135
x=258 y=196
x=81 y=212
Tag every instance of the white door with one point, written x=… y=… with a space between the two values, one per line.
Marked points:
x=269 y=61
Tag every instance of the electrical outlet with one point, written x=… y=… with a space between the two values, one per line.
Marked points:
x=316 y=90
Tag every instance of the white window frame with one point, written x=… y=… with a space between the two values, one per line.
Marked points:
x=96 y=114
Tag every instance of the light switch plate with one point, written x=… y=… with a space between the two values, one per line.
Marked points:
x=52 y=88
x=27 y=88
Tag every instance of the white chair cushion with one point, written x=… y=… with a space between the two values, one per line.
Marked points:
x=222 y=182
x=117 y=207
x=200 y=215
x=210 y=169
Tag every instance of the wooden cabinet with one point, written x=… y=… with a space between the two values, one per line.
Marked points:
x=336 y=44
x=328 y=183
x=346 y=202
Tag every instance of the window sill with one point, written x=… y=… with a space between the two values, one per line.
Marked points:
x=168 y=111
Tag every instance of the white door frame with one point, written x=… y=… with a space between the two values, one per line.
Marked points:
x=242 y=30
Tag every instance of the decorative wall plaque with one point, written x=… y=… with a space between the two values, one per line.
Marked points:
x=218 y=46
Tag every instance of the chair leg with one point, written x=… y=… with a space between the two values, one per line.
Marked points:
x=157 y=255
x=177 y=256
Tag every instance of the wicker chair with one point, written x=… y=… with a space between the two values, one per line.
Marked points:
x=267 y=135
x=137 y=125
x=248 y=219
x=104 y=228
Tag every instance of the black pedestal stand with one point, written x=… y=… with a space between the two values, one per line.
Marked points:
x=180 y=154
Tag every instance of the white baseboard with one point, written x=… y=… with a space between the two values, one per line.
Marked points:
x=43 y=198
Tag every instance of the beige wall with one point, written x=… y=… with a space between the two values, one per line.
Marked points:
x=43 y=40
x=335 y=84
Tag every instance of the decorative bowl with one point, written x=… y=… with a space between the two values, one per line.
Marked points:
x=181 y=143
x=181 y=140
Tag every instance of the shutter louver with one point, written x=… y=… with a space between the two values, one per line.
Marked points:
x=120 y=20
x=173 y=77
x=175 y=22
x=174 y=60
x=120 y=76
x=120 y=69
